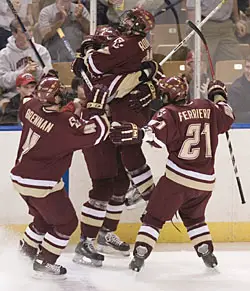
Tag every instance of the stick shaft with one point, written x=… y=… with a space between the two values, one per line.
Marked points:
x=25 y=32
x=185 y=40
x=73 y=55
x=167 y=8
x=230 y=147
x=66 y=43
x=176 y=19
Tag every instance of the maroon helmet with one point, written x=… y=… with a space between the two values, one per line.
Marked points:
x=48 y=89
x=173 y=90
x=136 y=21
x=104 y=34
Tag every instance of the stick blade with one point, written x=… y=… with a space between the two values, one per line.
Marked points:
x=197 y=30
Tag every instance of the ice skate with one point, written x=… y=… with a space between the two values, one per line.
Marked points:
x=208 y=257
x=133 y=199
x=27 y=251
x=140 y=254
x=210 y=260
x=45 y=270
x=108 y=242
x=136 y=264
x=85 y=253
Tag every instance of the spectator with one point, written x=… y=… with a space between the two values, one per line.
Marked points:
x=24 y=10
x=77 y=91
x=117 y=7
x=38 y=5
x=74 y=21
x=77 y=88
x=239 y=95
x=189 y=76
x=101 y=17
x=18 y=57
x=245 y=18
x=219 y=30
x=25 y=84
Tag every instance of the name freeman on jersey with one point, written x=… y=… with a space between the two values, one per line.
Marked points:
x=38 y=121
x=194 y=114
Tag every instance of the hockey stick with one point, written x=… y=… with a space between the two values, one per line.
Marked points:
x=70 y=50
x=182 y=52
x=73 y=55
x=184 y=41
x=66 y=43
x=197 y=30
x=169 y=6
x=25 y=32
x=176 y=18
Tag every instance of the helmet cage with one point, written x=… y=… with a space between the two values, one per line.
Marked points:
x=48 y=89
x=173 y=90
x=136 y=21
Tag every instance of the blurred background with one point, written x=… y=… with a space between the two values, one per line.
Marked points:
x=227 y=33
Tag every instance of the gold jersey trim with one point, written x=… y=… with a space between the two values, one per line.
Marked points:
x=37 y=192
x=202 y=186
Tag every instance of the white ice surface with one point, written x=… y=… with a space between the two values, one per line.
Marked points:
x=174 y=267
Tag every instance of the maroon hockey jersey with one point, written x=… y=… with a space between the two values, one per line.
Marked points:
x=123 y=55
x=47 y=144
x=118 y=65
x=190 y=133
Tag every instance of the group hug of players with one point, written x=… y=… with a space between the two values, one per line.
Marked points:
x=109 y=125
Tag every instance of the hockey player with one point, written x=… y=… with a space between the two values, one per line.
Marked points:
x=111 y=65
x=125 y=53
x=190 y=131
x=49 y=138
x=109 y=184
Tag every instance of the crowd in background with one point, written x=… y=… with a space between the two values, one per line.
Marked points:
x=229 y=27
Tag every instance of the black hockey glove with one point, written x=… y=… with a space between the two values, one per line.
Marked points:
x=125 y=133
x=88 y=44
x=98 y=100
x=78 y=65
x=142 y=97
x=151 y=71
x=217 y=91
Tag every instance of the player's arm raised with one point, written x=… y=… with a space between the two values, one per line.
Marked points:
x=96 y=127
x=217 y=93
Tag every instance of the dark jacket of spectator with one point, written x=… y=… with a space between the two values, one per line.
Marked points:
x=239 y=99
x=243 y=5
x=73 y=20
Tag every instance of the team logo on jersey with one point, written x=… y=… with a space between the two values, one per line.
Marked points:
x=74 y=122
x=118 y=43
x=161 y=112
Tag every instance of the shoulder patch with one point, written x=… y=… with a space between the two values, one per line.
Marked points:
x=118 y=42
x=161 y=112
x=74 y=122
